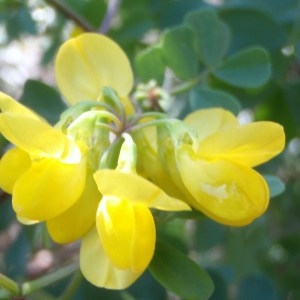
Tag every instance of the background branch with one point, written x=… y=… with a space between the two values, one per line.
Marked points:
x=70 y=14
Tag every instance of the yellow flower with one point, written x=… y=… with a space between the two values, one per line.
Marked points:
x=46 y=158
x=119 y=249
x=217 y=168
x=37 y=172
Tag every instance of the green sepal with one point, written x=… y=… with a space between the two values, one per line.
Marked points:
x=170 y=137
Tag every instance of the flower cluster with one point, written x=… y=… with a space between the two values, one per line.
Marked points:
x=103 y=170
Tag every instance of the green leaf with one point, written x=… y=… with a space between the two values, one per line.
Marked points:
x=179 y=52
x=149 y=64
x=179 y=274
x=249 y=68
x=204 y=97
x=213 y=36
x=253 y=27
x=275 y=184
x=43 y=99
x=282 y=11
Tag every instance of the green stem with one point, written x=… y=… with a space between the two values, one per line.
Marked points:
x=72 y=287
x=184 y=87
x=150 y=114
x=37 y=284
x=9 y=285
x=147 y=124
x=107 y=127
x=70 y=14
x=111 y=97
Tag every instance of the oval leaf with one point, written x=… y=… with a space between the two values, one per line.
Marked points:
x=180 y=53
x=213 y=36
x=179 y=274
x=205 y=98
x=276 y=186
x=149 y=64
x=249 y=68
x=43 y=99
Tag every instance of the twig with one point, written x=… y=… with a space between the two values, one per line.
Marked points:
x=112 y=8
x=70 y=14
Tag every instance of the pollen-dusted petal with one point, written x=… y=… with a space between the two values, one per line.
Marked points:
x=209 y=121
x=229 y=193
x=48 y=189
x=33 y=135
x=12 y=165
x=251 y=144
x=97 y=268
x=89 y=62
x=78 y=219
x=136 y=189
x=127 y=232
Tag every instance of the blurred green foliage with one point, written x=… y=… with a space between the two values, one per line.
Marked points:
x=243 y=55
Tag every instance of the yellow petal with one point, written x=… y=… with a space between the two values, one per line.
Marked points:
x=251 y=144
x=137 y=189
x=98 y=269
x=33 y=135
x=78 y=219
x=127 y=232
x=26 y=221
x=128 y=106
x=89 y=62
x=8 y=104
x=209 y=121
x=228 y=193
x=48 y=189
x=28 y=131
x=12 y=165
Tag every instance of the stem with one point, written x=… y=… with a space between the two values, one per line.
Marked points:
x=70 y=14
x=110 y=96
x=34 y=285
x=184 y=87
x=150 y=114
x=107 y=127
x=112 y=8
x=147 y=124
x=72 y=287
x=9 y=285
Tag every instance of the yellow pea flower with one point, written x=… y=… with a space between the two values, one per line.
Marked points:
x=119 y=249
x=217 y=168
x=47 y=158
x=37 y=172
